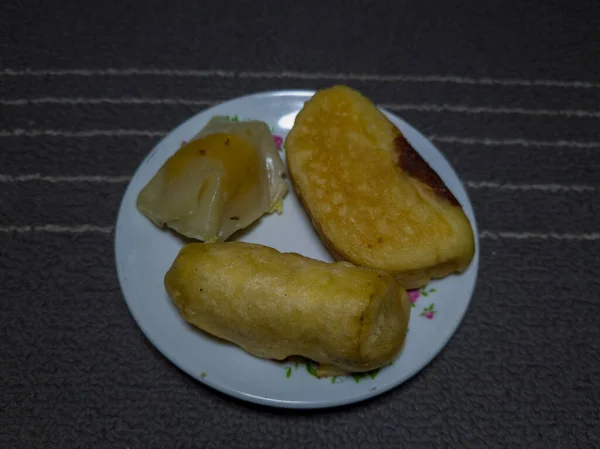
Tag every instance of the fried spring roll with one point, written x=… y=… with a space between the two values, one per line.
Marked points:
x=276 y=305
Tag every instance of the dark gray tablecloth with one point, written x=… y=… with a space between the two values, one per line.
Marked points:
x=511 y=96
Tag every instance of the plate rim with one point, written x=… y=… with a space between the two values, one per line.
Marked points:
x=282 y=403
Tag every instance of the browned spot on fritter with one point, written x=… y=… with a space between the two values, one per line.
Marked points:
x=412 y=163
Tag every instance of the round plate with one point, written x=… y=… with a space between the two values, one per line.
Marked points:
x=144 y=253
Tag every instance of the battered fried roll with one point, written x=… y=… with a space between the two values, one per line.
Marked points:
x=371 y=197
x=275 y=305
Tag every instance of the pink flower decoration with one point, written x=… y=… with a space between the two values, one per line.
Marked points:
x=183 y=142
x=278 y=141
x=413 y=295
x=429 y=314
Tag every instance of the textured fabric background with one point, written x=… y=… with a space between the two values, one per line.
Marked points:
x=510 y=94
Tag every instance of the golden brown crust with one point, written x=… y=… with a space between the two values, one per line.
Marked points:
x=372 y=199
x=337 y=256
x=408 y=279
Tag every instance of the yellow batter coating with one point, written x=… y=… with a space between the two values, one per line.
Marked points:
x=371 y=197
x=275 y=305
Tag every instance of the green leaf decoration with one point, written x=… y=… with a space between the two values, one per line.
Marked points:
x=358 y=377
x=203 y=375
x=373 y=374
x=430 y=308
x=433 y=290
x=311 y=369
x=424 y=293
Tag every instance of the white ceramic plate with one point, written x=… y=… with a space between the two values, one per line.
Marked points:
x=144 y=253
